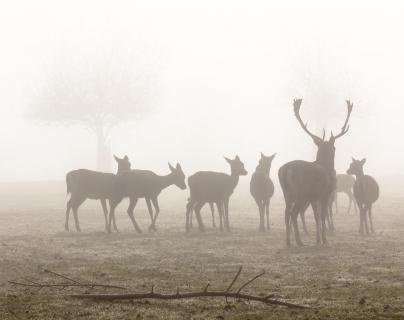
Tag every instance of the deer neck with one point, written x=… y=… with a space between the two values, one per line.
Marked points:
x=234 y=177
x=262 y=170
x=327 y=164
x=165 y=181
x=359 y=174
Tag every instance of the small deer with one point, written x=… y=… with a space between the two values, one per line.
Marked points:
x=345 y=183
x=312 y=183
x=85 y=184
x=262 y=188
x=146 y=184
x=366 y=192
x=216 y=187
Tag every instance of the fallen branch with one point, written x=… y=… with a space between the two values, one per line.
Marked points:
x=268 y=299
x=188 y=295
x=228 y=293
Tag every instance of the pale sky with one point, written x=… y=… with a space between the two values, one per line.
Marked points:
x=229 y=73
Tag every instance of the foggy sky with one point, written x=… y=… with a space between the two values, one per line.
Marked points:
x=229 y=72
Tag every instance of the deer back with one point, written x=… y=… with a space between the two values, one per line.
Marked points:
x=90 y=184
x=305 y=181
x=210 y=186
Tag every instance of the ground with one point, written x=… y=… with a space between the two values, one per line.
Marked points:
x=354 y=277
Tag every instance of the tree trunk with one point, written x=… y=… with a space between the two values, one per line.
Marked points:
x=104 y=162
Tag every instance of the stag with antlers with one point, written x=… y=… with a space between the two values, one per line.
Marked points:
x=311 y=183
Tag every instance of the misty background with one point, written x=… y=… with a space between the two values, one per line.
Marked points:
x=213 y=79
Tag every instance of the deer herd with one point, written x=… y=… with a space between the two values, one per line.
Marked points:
x=303 y=183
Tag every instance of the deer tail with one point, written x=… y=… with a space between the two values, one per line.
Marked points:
x=68 y=184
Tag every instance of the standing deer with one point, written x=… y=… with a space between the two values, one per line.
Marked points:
x=345 y=183
x=146 y=184
x=85 y=184
x=217 y=187
x=366 y=192
x=312 y=183
x=262 y=188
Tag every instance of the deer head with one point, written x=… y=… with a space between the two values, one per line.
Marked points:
x=356 y=167
x=326 y=148
x=266 y=162
x=237 y=167
x=178 y=175
x=123 y=164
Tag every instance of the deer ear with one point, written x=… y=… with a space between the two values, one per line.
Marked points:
x=116 y=158
x=363 y=161
x=353 y=159
x=237 y=158
x=178 y=167
x=126 y=157
x=273 y=156
x=171 y=167
x=262 y=155
x=227 y=159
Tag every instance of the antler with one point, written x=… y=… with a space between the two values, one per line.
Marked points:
x=345 y=127
x=296 y=106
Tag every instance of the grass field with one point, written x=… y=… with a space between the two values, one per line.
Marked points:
x=354 y=277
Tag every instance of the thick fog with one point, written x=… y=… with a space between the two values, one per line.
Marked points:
x=221 y=77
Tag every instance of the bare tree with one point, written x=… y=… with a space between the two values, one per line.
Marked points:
x=97 y=89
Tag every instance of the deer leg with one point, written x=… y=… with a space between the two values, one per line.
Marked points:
x=336 y=202
x=267 y=212
x=188 y=215
x=331 y=219
x=212 y=210
x=361 y=219
x=131 y=208
x=150 y=209
x=261 y=209
x=197 y=209
x=316 y=210
x=324 y=213
x=191 y=217
x=287 y=223
x=105 y=210
x=113 y=203
x=68 y=208
x=365 y=218
x=355 y=204
x=226 y=214
x=219 y=206
x=75 y=208
x=370 y=219
x=350 y=196
x=157 y=211
x=303 y=218
x=294 y=214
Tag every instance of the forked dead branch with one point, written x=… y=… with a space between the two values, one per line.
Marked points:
x=268 y=299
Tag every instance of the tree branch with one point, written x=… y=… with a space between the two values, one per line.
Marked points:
x=152 y=294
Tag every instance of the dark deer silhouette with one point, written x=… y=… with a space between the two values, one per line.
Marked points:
x=217 y=187
x=262 y=188
x=212 y=211
x=345 y=183
x=85 y=184
x=146 y=184
x=366 y=192
x=306 y=182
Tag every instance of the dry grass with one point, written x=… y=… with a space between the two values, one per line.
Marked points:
x=354 y=277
